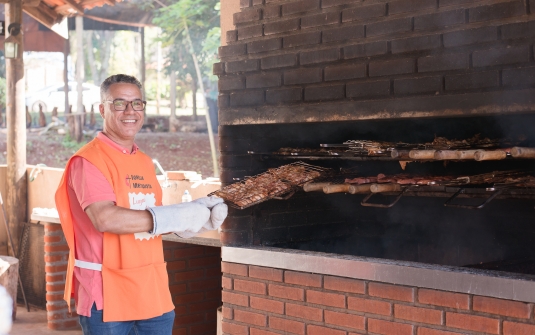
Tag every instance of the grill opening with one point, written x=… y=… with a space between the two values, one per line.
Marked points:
x=417 y=228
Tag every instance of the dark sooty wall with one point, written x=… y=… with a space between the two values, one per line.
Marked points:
x=292 y=70
x=416 y=229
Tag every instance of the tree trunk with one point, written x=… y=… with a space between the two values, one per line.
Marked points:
x=70 y=123
x=92 y=119
x=42 y=117
x=207 y=115
x=194 y=98
x=107 y=41
x=172 y=102
x=66 y=77
x=142 y=65
x=80 y=74
x=158 y=76
x=90 y=57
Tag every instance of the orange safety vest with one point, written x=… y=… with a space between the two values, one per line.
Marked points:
x=134 y=274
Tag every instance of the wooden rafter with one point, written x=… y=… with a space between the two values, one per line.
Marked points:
x=44 y=14
x=74 y=5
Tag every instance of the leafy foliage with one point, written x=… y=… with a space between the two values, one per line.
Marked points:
x=199 y=18
x=71 y=144
x=2 y=93
x=2 y=64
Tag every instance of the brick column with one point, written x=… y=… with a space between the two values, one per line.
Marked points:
x=56 y=256
x=195 y=285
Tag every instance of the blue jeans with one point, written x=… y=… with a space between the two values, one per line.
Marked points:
x=160 y=325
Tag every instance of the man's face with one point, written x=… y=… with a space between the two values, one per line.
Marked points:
x=122 y=126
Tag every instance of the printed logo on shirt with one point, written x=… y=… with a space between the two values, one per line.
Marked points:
x=140 y=201
x=131 y=181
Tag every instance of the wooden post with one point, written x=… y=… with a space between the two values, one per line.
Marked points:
x=92 y=119
x=79 y=76
x=42 y=117
x=70 y=122
x=16 y=198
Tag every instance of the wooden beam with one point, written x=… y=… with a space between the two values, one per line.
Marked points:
x=130 y=24
x=43 y=14
x=31 y=3
x=75 y=6
x=17 y=196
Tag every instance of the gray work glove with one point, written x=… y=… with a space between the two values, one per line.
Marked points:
x=217 y=216
x=209 y=202
x=188 y=216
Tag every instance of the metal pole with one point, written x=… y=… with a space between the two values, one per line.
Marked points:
x=16 y=198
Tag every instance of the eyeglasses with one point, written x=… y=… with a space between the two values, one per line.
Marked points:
x=121 y=104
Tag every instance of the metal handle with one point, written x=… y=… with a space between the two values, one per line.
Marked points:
x=365 y=202
x=462 y=190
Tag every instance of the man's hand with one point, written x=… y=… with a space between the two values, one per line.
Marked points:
x=209 y=202
x=217 y=216
x=188 y=216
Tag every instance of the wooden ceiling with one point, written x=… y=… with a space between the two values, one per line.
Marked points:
x=50 y=12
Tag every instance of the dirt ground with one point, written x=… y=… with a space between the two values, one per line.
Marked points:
x=175 y=151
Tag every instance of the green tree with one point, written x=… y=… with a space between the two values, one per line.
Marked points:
x=2 y=65
x=2 y=93
x=2 y=99
x=189 y=29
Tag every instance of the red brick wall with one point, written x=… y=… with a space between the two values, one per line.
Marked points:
x=56 y=257
x=195 y=284
x=268 y=301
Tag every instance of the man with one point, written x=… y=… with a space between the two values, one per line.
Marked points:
x=109 y=203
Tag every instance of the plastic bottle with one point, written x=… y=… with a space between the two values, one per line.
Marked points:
x=186 y=197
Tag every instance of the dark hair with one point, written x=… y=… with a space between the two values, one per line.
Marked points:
x=117 y=78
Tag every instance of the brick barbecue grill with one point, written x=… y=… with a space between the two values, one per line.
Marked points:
x=298 y=74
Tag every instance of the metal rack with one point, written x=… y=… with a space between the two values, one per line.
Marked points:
x=288 y=187
x=499 y=184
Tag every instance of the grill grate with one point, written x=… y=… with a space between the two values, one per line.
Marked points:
x=513 y=183
x=276 y=183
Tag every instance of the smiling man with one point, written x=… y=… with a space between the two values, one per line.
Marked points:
x=110 y=207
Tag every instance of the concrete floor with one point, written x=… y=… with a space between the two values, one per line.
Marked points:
x=34 y=323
